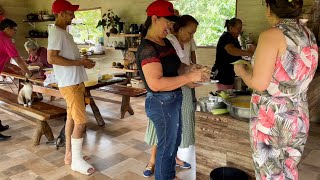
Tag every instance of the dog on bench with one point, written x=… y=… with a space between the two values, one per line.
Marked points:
x=25 y=94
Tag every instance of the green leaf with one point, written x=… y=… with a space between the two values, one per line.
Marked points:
x=211 y=23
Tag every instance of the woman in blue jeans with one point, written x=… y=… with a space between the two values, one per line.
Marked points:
x=163 y=75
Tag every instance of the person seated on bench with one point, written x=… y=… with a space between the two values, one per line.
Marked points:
x=37 y=55
x=70 y=73
x=3 y=128
x=8 y=29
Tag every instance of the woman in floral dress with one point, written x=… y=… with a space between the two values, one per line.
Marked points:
x=285 y=62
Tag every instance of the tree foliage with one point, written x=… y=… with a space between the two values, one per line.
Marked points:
x=83 y=28
x=211 y=15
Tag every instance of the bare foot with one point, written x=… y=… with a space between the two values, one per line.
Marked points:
x=176 y=178
x=179 y=161
x=67 y=158
x=151 y=164
x=91 y=171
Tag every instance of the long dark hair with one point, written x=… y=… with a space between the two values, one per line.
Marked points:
x=285 y=9
x=231 y=23
x=183 y=21
x=147 y=24
x=7 y=23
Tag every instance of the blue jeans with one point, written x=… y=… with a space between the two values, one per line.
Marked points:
x=164 y=109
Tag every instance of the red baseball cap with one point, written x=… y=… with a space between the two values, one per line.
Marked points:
x=162 y=8
x=63 y=5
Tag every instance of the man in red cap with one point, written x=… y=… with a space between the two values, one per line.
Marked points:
x=70 y=73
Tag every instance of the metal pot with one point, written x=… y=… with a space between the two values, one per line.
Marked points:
x=207 y=104
x=237 y=111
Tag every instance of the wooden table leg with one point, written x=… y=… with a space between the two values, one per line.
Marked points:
x=95 y=110
x=42 y=128
x=19 y=85
x=52 y=98
x=125 y=106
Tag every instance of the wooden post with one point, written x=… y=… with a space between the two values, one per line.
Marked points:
x=125 y=106
x=95 y=110
x=42 y=128
x=316 y=19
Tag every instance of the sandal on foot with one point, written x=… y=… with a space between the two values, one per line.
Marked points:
x=3 y=128
x=184 y=166
x=148 y=171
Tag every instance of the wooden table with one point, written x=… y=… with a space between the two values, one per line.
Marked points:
x=126 y=93
x=53 y=91
x=129 y=72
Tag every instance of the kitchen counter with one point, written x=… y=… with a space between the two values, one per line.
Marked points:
x=221 y=140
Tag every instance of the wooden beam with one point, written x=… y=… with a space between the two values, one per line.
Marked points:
x=47 y=91
x=316 y=19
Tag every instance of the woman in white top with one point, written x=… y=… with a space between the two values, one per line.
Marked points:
x=182 y=40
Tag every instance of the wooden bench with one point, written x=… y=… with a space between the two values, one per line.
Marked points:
x=126 y=93
x=39 y=110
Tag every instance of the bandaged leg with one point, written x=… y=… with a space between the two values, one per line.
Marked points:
x=78 y=164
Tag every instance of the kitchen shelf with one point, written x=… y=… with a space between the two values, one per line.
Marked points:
x=125 y=70
x=36 y=37
x=39 y=20
x=33 y=22
x=125 y=35
x=133 y=49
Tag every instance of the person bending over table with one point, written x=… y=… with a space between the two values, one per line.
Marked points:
x=229 y=51
x=8 y=51
x=37 y=55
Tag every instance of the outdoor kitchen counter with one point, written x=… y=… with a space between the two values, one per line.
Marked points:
x=221 y=140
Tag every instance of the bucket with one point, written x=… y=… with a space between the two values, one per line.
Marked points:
x=228 y=173
x=93 y=77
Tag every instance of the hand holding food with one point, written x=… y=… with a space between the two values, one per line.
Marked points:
x=196 y=75
x=241 y=66
x=88 y=63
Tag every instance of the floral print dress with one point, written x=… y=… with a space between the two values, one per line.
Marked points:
x=279 y=122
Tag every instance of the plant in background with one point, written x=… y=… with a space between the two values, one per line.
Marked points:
x=109 y=19
x=211 y=23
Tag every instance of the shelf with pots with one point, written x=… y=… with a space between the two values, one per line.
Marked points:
x=32 y=19
x=133 y=49
x=36 y=37
x=35 y=34
x=37 y=18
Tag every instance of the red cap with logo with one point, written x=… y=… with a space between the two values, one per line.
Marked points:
x=162 y=8
x=63 y=5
